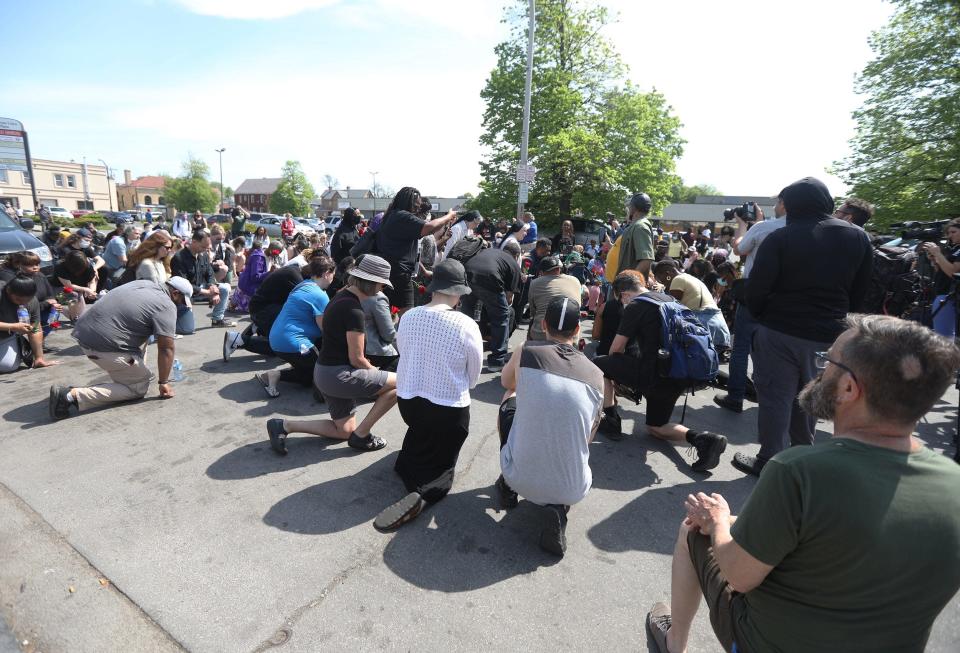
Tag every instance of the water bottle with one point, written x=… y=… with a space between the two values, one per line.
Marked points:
x=23 y=315
x=304 y=349
x=177 y=371
x=54 y=320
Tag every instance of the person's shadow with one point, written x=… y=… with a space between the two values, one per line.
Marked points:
x=457 y=545
x=258 y=459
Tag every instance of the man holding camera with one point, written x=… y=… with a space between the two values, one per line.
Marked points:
x=746 y=242
x=946 y=264
x=800 y=309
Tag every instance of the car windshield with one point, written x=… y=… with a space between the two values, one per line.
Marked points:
x=6 y=224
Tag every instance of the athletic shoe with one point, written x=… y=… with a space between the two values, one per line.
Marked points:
x=508 y=498
x=223 y=323
x=724 y=401
x=404 y=510
x=231 y=343
x=59 y=405
x=658 y=623
x=553 y=538
x=278 y=436
x=709 y=446
x=748 y=464
x=611 y=426
x=494 y=367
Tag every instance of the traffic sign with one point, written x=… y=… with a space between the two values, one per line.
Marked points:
x=523 y=194
x=525 y=173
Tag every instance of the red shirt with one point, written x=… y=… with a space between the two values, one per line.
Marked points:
x=288 y=227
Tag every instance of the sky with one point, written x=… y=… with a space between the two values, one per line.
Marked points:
x=764 y=90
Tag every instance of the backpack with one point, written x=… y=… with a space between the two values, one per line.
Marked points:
x=466 y=248
x=129 y=274
x=613 y=260
x=686 y=348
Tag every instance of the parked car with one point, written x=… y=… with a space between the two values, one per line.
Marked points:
x=271 y=222
x=332 y=224
x=218 y=218
x=79 y=213
x=585 y=230
x=316 y=224
x=60 y=212
x=17 y=238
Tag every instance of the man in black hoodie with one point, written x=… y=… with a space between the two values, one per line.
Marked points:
x=805 y=279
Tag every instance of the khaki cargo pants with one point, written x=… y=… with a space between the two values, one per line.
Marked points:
x=128 y=371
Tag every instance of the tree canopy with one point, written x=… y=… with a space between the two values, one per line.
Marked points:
x=595 y=138
x=191 y=191
x=906 y=151
x=684 y=194
x=293 y=193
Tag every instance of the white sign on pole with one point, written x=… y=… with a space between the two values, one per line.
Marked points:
x=525 y=173
x=13 y=153
x=523 y=195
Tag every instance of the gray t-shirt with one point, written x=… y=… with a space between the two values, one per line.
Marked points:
x=125 y=317
x=550 y=464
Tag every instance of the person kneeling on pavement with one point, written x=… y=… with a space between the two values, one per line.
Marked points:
x=633 y=363
x=21 y=336
x=193 y=264
x=849 y=544
x=114 y=333
x=440 y=361
x=549 y=466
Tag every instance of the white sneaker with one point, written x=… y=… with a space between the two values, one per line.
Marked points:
x=231 y=342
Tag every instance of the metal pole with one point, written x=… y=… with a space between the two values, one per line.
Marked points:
x=374 y=192
x=109 y=177
x=33 y=184
x=222 y=194
x=526 y=105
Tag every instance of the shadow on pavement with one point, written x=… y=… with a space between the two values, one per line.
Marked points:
x=258 y=459
x=456 y=545
x=651 y=521
x=29 y=415
x=341 y=503
x=621 y=466
x=241 y=362
x=489 y=391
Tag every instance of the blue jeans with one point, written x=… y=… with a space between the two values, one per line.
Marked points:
x=945 y=320
x=185 y=322
x=221 y=306
x=744 y=326
x=712 y=318
x=498 y=314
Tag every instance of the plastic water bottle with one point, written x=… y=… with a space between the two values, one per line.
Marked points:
x=304 y=349
x=23 y=315
x=177 y=371
x=54 y=320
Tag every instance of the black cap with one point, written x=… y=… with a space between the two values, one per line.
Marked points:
x=563 y=314
x=549 y=263
x=641 y=202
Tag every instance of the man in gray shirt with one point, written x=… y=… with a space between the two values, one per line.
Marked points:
x=113 y=333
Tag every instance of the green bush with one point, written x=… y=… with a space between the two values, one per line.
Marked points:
x=98 y=220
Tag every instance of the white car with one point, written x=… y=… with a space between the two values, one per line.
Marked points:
x=60 y=212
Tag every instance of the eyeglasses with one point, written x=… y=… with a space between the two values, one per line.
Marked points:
x=842 y=211
x=823 y=359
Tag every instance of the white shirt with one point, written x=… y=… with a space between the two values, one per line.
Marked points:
x=754 y=237
x=441 y=354
x=457 y=232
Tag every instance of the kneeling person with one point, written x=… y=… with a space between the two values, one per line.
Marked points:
x=549 y=466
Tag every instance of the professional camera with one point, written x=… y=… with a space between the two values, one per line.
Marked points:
x=747 y=211
x=929 y=232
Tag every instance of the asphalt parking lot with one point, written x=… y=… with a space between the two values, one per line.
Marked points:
x=170 y=525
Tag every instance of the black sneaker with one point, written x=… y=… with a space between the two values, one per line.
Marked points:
x=553 y=538
x=59 y=404
x=724 y=401
x=494 y=367
x=508 y=498
x=709 y=446
x=611 y=426
x=278 y=436
x=748 y=464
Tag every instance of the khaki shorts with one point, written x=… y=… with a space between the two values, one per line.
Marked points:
x=725 y=605
x=344 y=386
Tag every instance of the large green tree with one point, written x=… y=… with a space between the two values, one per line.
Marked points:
x=293 y=193
x=191 y=191
x=594 y=137
x=906 y=152
x=684 y=194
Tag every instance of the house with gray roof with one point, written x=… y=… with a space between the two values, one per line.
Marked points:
x=254 y=194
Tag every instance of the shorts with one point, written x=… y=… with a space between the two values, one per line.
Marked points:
x=342 y=386
x=661 y=397
x=726 y=605
x=402 y=293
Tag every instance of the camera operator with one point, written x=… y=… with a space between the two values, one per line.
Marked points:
x=855 y=211
x=946 y=263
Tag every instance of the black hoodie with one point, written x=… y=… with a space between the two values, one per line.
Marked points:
x=808 y=275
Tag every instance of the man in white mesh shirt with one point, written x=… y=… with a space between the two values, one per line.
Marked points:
x=441 y=354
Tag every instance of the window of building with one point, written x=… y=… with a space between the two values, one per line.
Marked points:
x=3 y=177
x=160 y=201
x=58 y=180
x=71 y=181
x=147 y=199
x=84 y=205
x=26 y=179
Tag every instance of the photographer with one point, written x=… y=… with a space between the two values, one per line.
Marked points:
x=947 y=264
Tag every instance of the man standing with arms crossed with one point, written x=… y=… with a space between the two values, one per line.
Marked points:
x=636 y=250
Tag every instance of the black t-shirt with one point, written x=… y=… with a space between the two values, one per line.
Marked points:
x=642 y=324
x=343 y=241
x=343 y=314
x=84 y=279
x=494 y=270
x=276 y=287
x=941 y=281
x=397 y=240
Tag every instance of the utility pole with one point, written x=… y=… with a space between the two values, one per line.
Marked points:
x=523 y=180
x=222 y=194
x=374 y=192
x=109 y=178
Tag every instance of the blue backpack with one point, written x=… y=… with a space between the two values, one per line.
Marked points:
x=686 y=348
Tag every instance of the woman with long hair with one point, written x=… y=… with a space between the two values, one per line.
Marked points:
x=260 y=236
x=151 y=260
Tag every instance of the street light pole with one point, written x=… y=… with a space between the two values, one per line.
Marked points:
x=109 y=179
x=523 y=185
x=374 y=192
x=222 y=194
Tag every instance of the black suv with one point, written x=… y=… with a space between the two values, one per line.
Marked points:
x=17 y=237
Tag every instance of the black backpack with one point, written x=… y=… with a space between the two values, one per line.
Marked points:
x=466 y=248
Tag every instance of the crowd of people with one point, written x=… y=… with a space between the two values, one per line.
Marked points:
x=398 y=311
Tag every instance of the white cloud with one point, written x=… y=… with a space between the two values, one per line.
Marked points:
x=253 y=9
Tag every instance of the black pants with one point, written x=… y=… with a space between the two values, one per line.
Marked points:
x=385 y=363
x=505 y=419
x=256 y=337
x=431 y=446
x=301 y=367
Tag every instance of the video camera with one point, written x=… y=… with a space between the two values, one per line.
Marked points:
x=747 y=211
x=929 y=232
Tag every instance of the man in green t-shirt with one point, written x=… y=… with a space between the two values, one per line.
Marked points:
x=636 y=250
x=846 y=545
